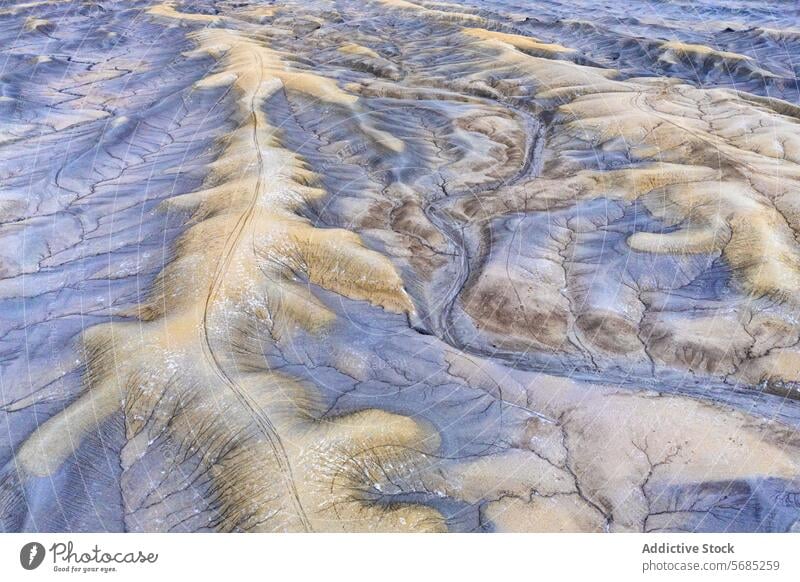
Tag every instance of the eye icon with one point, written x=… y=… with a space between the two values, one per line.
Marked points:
x=31 y=555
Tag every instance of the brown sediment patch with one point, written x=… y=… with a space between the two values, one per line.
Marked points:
x=522 y=312
x=682 y=342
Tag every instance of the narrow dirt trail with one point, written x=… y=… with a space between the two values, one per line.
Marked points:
x=260 y=417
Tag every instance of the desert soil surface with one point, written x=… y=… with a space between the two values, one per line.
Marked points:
x=383 y=265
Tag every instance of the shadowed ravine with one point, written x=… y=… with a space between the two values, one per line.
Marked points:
x=399 y=266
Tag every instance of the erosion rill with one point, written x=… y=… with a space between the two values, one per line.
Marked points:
x=395 y=266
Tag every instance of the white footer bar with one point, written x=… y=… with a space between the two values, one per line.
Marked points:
x=400 y=557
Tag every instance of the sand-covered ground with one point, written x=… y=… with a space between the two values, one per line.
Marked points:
x=383 y=265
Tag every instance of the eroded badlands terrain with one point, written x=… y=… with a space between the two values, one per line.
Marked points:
x=399 y=266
